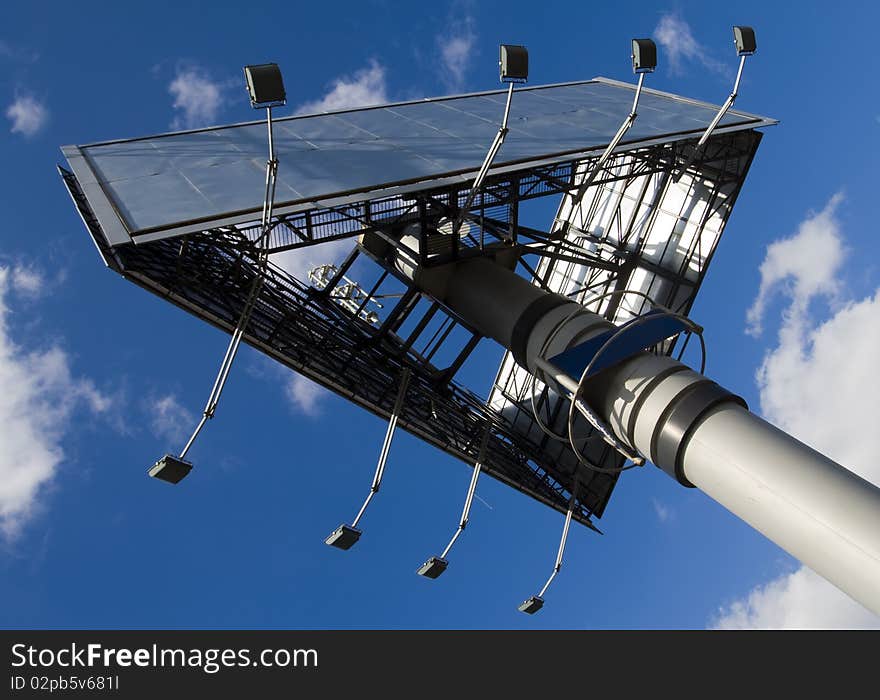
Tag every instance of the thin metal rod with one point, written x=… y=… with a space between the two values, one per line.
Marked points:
x=193 y=437
x=469 y=499
x=731 y=98
x=253 y=294
x=728 y=103
x=386 y=445
x=627 y=123
x=487 y=163
x=558 y=566
x=455 y=535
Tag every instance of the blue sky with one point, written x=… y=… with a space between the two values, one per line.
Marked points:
x=99 y=378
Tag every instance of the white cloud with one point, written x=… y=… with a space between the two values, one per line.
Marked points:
x=664 y=512
x=675 y=37
x=801 y=600
x=28 y=115
x=299 y=261
x=366 y=87
x=169 y=420
x=38 y=400
x=26 y=280
x=17 y=53
x=304 y=394
x=197 y=99
x=810 y=261
x=456 y=49
x=820 y=384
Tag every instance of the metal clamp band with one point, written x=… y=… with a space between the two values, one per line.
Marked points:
x=522 y=329
x=678 y=421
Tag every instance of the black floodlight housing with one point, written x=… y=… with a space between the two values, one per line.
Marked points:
x=644 y=55
x=343 y=537
x=265 y=86
x=744 y=38
x=514 y=63
x=532 y=605
x=433 y=567
x=170 y=469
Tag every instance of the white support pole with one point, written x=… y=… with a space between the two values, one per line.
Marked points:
x=557 y=567
x=262 y=245
x=469 y=499
x=815 y=509
x=823 y=514
x=627 y=123
x=487 y=163
x=728 y=103
x=386 y=445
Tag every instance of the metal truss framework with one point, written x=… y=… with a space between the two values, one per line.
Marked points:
x=209 y=273
x=620 y=220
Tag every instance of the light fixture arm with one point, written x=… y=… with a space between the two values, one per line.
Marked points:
x=469 y=499
x=487 y=163
x=557 y=567
x=627 y=123
x=731 y=98
x=728 y=103
x=386 y=445
x=262 y=244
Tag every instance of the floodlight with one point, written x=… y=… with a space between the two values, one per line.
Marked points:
x=744 y=38
x=531 y=605
x=265 y=86
x=514 y=66
x=343 y=537
x=644 y=55
x=644 y=58
x=433 y=567
x=514 y=63
x=170 y=469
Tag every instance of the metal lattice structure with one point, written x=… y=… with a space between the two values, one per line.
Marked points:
x=606 y=240
x=653 y=235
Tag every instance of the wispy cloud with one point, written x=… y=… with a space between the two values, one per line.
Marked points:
x=299 y=261
x=809 y=262
x=169 y=420
x=304 y=394
x=456 y=46
x=39 y=397
x=28 y=115
x=680 y=46
x=664 y=512
x=820 y=384
x=17 y=53
x=27 y=280
x=363 y=88
x=800 y=600
x=198 y=99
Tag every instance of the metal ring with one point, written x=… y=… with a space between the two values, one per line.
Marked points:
x=693 y=328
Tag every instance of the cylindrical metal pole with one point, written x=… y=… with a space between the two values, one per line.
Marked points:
x=694 y=430
x=812 y=507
